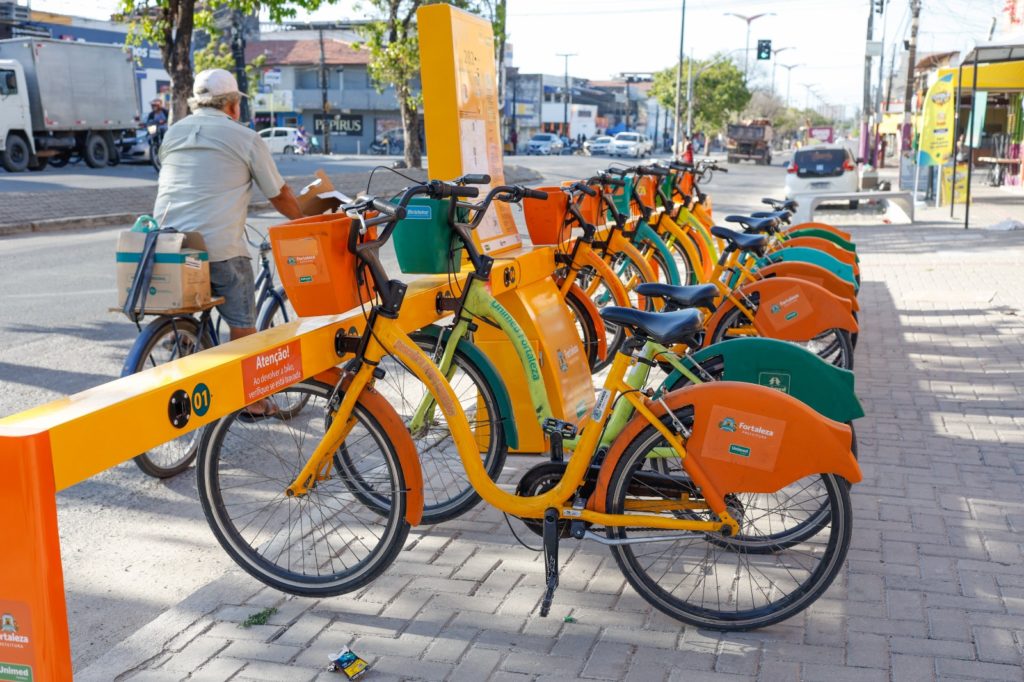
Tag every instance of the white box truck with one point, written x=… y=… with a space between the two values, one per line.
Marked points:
x=60 y=98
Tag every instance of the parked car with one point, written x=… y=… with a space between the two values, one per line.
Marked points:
x=545 y=143
x=631 y=144
x=822 y=169
x=602 y=144
x=282 y=140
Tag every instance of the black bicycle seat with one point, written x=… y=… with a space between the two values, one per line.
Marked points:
x=670 y=328
x=781 y=216
x=740 y=240
x=755 y=224
x=677 y=297
x=781 y=205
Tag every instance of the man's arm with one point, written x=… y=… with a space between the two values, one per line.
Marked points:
x=286 y=204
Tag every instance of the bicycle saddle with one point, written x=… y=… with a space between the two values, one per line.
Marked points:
x=668 y=329
x=754 y=223
x=782 y=216
x=677 y=297
x=740 y=240
x=787 y=205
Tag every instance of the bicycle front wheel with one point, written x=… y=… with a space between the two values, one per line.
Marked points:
x=712 y=581
x=163 y=340
x=325 y=543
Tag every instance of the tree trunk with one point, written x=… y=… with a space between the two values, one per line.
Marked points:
x=411 y=128
x=176 y=49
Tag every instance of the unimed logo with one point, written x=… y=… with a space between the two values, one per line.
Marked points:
x=15 y=673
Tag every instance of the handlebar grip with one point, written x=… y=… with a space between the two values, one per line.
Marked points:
x=589 y=191
x=476 y=179
x=534 y=194
x=719 y=169
x=386 y=208
x=654 y=170
x=465 y=192
x=619 y=171
x=675 y=165
x=614 y=182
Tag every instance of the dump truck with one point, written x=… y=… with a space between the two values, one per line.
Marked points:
x=750 y=140
x=61 y=98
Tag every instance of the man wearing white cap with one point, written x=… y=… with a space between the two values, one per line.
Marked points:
x=210 y=163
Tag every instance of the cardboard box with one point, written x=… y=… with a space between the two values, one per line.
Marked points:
x=319 y=196
x=181 y=273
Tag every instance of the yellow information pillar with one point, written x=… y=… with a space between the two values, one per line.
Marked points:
x=460 y=101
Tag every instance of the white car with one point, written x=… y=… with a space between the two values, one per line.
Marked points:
x=545 y=144
x=282 y=140
x=631 y=144
x=822 y=169
x=602 y=144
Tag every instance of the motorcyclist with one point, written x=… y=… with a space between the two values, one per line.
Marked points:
x=157 y=114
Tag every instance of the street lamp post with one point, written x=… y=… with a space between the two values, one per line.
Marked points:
x=567 y=94
x=746 y=51
x=789 y=78
x=679 y=81
x=775 y=61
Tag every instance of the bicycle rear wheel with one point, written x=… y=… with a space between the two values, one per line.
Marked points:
x=325 y=543
x=712 y=581
x=163 y=340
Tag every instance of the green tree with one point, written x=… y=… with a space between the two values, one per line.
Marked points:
x=171 y=23
x=217 y=55
x=718 y=91
x=391 y=37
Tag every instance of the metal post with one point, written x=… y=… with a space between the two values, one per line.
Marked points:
x=628 y=107
x=865 y=111
x=875 y=139
x=908 y=96
x=566 y=94
x=238 y=53
x=956 y=128
x=970 y=150
x=679 y=82
x=746 y=56
x=689 y=99
x=324 y=105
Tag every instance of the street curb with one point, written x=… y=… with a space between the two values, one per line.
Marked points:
x=184 y=618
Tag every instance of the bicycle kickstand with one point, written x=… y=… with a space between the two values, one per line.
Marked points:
x=550 y=559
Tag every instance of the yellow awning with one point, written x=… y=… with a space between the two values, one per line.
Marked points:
x=1000 y=77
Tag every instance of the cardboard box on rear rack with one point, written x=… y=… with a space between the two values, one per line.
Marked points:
x=181 y=271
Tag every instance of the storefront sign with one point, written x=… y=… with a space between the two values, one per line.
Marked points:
x=340 y=124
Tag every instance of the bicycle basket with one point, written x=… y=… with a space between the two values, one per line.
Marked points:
x=645 y=189
x=423 y=239
x=545 y=220
x=316 y=267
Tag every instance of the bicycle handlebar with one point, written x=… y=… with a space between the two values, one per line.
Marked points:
x=473 y=179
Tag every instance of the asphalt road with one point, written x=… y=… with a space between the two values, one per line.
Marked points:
x=133 y=546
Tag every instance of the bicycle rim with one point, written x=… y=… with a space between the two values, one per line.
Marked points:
x=324 y=543
x=704 y=579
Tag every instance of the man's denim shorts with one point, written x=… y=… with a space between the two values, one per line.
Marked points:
x=233 y=279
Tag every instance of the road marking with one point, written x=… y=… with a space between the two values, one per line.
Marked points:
x=62 y=294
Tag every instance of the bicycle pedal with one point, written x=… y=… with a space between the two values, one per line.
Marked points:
x=564 y=428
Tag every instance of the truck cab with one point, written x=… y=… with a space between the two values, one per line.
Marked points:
x=17 y=148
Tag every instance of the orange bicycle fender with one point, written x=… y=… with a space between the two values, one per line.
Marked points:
x=746 y=439
x=595 y=315
x=820 y=226
x=837 y=252
x=790 y=310
x=813 y=273
x=408 y=458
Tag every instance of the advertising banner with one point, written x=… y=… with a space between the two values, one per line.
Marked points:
x=936 y=142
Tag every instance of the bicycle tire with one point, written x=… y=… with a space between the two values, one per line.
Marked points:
x=687 y=269
x=447 y=491
x=173 y=457
x=586 y=327
x=602 y=296
x=832 y=345
x=274 y=310
x=251 y=537
x=706 y=605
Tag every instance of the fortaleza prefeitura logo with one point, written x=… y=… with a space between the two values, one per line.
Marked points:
x=728 y=424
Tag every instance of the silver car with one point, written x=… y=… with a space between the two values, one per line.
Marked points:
x=602 y=144
x=631 y=144
x=545 y=144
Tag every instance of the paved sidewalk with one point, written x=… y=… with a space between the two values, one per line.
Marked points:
x=933 y=589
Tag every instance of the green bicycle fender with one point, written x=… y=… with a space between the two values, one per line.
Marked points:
x=813 y=256
x=644 y=233
x=824 y=234
x=493 y=379
x=823 y=387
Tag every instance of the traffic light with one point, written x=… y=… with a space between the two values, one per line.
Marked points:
x=764 y=49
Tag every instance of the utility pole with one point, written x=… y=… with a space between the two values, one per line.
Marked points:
x=789 y=78
x=875 y=139
x=746 y=51
x=908 y=96
x=774 y=62
x=324 y=104
x=679 y=81
x=238 y=53
x=865 y=111
x=567 y=94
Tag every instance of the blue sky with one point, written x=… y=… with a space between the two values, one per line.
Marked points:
x=612 y=36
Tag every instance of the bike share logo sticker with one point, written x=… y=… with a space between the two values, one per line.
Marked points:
x=268 y=372
x=419 y=212
x=780 y=381
x=16 y=649
x=743 y=438
x=789 y=306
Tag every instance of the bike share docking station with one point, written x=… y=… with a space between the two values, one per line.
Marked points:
x=54 y=446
